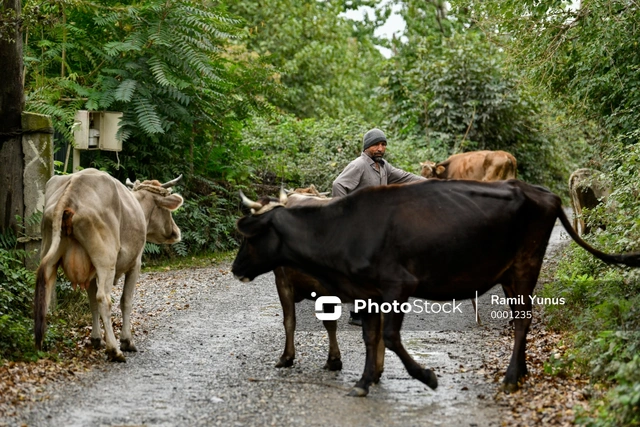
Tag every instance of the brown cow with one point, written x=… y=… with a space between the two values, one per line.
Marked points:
x=95 y=228
x=587 y=190
x=475 y=165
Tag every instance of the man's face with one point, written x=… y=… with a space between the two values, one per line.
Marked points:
x=376 y=152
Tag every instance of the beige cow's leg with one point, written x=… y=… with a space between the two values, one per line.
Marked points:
x=126 y=302
x=96 y=331
x=103 y=300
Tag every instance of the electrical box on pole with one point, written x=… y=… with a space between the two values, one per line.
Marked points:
x=95 y=130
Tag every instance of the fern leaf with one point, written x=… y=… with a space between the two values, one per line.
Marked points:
x=147 y=117
x=125 y=90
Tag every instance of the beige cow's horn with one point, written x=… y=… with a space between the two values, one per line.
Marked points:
x=172 y=182
x=129 y=183
x=283 y=197
x=249 y=203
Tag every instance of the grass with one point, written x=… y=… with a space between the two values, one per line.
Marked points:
x=195 y=261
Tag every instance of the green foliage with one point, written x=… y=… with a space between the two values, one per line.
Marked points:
x=328 y=64
x=452 y=87
x=16 y=296
x=184 y=80
x=602 y=301
x=207 y=221
x=585 y=58
x=303 y=152
x=586 y=55
x=177 y=71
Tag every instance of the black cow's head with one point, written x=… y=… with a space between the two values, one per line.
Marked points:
x=259 y=251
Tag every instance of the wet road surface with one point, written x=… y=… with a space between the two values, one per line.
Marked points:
x=212 y=362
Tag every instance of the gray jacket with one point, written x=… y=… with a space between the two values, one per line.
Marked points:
x=362 y=173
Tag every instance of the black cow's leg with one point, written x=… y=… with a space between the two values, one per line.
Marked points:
x=371 y=335
x=334 y=361
x=380 y=353
x=522 y=320
x=391 y=335
x=287 y=301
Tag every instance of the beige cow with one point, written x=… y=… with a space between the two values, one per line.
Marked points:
x=587 y=190
x=95 y=228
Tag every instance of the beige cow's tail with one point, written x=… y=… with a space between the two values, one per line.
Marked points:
x=46 y=274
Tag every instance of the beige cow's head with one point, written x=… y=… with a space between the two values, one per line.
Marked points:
x=428 y=169
x=158 y=203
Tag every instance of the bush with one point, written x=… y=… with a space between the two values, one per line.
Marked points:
x=297 y=152
x=16 y=295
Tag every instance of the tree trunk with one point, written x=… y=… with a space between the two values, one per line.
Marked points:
x=11 y=106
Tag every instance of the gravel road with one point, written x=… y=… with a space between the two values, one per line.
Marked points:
x=208 y=345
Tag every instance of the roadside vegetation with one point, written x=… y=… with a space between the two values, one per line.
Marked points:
x=258 y=95
x=587 y=60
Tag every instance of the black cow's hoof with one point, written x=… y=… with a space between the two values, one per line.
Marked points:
x=357 y=392
x=333 y=365
x=430 y=379
x=284 y=363
x=376 y=378
x=510 y=387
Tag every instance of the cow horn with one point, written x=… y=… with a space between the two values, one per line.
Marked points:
x=248 y=203
x=324 y=193
x=129 y=183
x=172 y=182
x=283 y=197
x=288 y=191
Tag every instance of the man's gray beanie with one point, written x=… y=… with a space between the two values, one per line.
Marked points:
x=373 y=137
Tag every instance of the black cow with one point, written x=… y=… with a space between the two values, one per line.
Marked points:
x=436 y=240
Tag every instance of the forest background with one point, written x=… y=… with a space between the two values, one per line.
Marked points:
x=254 y=95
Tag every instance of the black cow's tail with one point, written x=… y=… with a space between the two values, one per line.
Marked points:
x=631 y=259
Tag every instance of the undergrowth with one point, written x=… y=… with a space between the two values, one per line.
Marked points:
x=602 y=310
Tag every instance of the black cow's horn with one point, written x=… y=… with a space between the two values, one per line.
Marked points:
x=249 y=203
x=172 y=182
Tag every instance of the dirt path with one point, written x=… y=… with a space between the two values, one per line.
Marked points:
x=207 y=349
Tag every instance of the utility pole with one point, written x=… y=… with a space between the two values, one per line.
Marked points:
x=11 y=106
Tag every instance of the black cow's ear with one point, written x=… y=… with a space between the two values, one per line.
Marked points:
x=250 y=226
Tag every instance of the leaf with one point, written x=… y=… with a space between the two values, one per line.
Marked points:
x=125 y=90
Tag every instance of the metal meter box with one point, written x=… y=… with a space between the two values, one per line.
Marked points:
x=96 y=130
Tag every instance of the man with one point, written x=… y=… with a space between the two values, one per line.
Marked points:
x=368 y=170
